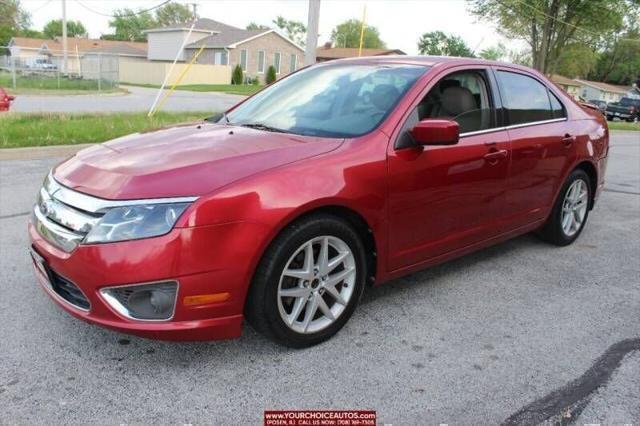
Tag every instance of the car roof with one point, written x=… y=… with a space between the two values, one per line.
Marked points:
x=425 y=60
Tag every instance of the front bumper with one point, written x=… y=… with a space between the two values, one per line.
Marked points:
x=187 y=255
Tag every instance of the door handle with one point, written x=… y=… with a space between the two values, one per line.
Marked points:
x=494 y=156
x=568 y=140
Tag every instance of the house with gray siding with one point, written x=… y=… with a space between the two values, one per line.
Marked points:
x=222 y=44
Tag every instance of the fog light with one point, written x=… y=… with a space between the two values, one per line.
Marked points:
x=150 y=302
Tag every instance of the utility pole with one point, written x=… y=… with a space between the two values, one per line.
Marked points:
x=64 y=36
x=195 y=10
x=313 y=22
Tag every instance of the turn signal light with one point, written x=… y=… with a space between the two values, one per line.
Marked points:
x=203 y=299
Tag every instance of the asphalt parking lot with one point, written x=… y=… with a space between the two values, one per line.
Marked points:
x=484 y=339
x=138 y=99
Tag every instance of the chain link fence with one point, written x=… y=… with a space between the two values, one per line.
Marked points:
x=31 y=69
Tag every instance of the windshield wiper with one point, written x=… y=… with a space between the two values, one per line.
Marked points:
x=260 y=126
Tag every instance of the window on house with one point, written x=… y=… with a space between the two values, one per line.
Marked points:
x=276 y=62
x=261 y=62
x=221 y=58
x=293 y=64
x=243 y=59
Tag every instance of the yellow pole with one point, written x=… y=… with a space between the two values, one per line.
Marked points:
x=180 y=77
x=364 y=17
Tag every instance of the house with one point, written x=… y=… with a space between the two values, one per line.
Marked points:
x=569 y=85
x=601 y=91
x=328 y=53
x=25 y=49
x=222 y=44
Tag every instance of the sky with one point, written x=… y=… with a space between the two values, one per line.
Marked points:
x=400 y=22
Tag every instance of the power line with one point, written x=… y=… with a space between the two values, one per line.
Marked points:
x=125 y=15
x=542 y=12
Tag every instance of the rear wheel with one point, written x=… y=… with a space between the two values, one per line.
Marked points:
x=569 y=214
x=308 y=283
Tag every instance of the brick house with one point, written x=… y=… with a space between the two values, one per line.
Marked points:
x=253 y=50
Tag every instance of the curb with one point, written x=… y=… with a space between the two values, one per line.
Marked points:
x=38 y=152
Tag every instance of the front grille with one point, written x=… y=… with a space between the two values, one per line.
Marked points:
x=68 y=291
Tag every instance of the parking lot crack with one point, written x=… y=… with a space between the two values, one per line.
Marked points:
x=576 y=391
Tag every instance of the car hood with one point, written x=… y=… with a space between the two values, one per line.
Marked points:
x=189 y=160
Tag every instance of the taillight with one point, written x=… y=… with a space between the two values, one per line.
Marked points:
x=632 y=109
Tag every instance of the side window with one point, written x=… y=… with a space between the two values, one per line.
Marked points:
x=556 y=106
x=525 y=98
x=463 y=97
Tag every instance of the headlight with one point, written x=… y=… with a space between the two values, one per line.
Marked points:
x=134 y=222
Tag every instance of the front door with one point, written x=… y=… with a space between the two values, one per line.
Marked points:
x=442 y=198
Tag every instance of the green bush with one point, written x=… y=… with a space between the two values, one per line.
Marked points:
x=237 y=76
x=255 y=81
x=271 y=75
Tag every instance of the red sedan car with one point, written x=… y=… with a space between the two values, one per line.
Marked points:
x=281 y=211
x=5 y=100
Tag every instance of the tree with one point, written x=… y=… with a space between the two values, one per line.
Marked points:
x=576 y=61
x=494 y=53
x=295 y=30
x=347 y=34
x=548 y=26
x=13 y=21
x=254 y=26
x=271 y=75
x=130 y=25
x=237 y=77
x=53 y=29
x=173 y=14
x=440 y=44
x=620 y=62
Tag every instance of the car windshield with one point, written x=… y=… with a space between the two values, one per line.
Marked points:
x=629 y=102
x=329 y=100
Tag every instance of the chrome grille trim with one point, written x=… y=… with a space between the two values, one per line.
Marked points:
x=96 y=205
x=54 y=233
x=65 y=215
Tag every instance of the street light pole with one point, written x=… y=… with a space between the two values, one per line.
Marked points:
x=312 y=32
x=64 y=36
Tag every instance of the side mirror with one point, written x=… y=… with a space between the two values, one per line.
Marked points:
x=436 y=132
x=11 y=98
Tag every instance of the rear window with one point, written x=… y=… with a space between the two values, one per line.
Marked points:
x=527 y=100
x=629 y=102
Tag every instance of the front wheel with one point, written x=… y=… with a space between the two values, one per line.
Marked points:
x=308 y=282
x=570 y=212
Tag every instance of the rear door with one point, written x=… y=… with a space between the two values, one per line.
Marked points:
x=542 y=145
x=443 y=198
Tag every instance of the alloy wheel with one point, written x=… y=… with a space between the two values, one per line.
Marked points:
x=316 y=285
x=574 y=207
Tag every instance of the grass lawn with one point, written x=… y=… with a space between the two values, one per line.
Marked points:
x=25 y=130
x=38 y=84
x=233 y=89
x=623 y=125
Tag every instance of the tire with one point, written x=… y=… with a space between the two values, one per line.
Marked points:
x=569 y=207
x=271 y=312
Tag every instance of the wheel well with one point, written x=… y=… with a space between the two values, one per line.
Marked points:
x=362 y=229
x=590 y=170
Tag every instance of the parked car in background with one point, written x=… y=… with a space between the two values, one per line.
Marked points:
x=40 y=64
x=340 y=176
x=5 y=100
x=602 y=105
x=626 y=109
